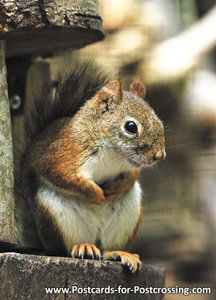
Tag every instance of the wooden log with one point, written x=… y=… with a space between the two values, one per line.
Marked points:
x=7 y=224
x=45 y=26
x=27 y=276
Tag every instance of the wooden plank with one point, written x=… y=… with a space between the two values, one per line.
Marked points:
x=7 y=225
x=27 y=276
x=45 y=26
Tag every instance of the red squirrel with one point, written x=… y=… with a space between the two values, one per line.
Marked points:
x=77 y=163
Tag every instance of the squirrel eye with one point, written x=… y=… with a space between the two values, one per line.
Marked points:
x=131 y=127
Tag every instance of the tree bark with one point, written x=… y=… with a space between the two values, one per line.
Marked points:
x=45 y=26
x=7 y=224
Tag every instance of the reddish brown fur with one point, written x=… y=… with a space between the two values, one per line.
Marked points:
x=57 y=157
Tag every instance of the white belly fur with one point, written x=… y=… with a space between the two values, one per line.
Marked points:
x=81 y=222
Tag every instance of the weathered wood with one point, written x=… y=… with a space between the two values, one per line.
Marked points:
x=27 y=276
x=44 y=26
x=7 y=227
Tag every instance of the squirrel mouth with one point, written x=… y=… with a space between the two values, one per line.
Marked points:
x=136 y=163
x=139 y=163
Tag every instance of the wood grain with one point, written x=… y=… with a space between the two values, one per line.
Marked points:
x=46 y=26
x=7 y=225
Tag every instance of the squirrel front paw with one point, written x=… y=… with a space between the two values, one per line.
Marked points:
x=96 y=195
x=116 y=188
x=85 y=251
x=127 y=259
x=113 y=189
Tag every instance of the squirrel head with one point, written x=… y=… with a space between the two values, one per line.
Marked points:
x=125 y=123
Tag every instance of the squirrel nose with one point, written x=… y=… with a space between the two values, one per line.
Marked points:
x=160 y=155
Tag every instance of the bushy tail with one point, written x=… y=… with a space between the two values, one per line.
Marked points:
x=71 y=93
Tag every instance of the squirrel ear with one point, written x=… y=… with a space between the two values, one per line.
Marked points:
x=110 y=93
x=138 y=89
